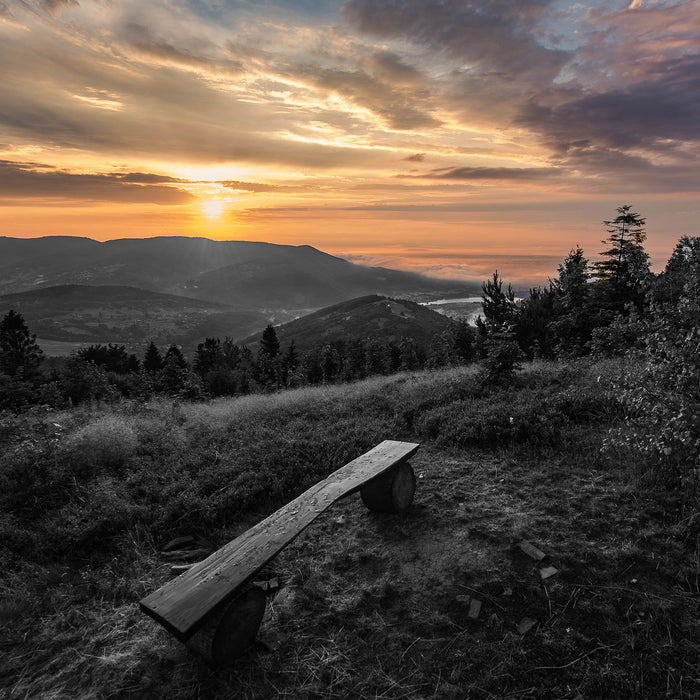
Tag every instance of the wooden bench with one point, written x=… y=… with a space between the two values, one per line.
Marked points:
x=213 y=608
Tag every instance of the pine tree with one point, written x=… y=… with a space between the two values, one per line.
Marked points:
x=499 y=306
x=355 y=359
x=269 y=343
x=208 y=356
x=683 y=267
x=174 y=374
x=532 y=323
x=291 y=359
x=572 y=285
x=330 y=363
x=461 y=335
x=575 y=316
x=232 y=353
x=175 y=357
x=496 y=332
x=112 y=357
x=624 y=273
x=152 y=360
x=19 y=353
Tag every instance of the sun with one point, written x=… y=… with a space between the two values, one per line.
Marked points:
x=213 y=208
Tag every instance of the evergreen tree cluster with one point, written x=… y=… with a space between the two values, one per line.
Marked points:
x=588 y=308
x=226 y=369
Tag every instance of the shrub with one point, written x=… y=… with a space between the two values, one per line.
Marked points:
x=532 y=417
x=617 y=338
x=83 y=381
x=103 y=511
x=104 y=444
x=502 y=360
x=663 y=399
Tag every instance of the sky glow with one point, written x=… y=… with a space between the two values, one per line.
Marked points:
x=442 y=136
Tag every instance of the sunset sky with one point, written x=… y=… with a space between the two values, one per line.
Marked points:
x=443 y=136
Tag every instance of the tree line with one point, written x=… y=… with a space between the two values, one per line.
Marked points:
x=589 y=308
x=596 y=308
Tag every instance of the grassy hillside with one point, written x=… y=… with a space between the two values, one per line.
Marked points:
x=366 y=317
x=371 y=605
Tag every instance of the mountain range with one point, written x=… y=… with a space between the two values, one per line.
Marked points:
x=178 y=289
x=242 y=274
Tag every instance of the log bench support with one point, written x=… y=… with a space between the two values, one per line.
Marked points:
x=214 y=609
x=391 y=492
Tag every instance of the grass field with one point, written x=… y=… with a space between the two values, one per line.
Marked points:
x=371 y=605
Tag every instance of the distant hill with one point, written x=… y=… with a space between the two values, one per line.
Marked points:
x=104 y=314
x=245 y=275
x=370 y=316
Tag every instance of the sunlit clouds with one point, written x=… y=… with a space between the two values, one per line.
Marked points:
x=435 y=135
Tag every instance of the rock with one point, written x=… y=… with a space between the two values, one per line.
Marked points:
x=547 y=572
x=531 y=550
x=474 y=609
x=526 y=624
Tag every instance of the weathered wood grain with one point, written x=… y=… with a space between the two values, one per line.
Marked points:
x=183 y=604
x=392 y=491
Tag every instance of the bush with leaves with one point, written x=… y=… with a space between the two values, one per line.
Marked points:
x=617 y=338
x=663 y=400
x=85 y=381
x=502 y=360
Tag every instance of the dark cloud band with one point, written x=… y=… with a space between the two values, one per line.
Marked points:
x=31 y=181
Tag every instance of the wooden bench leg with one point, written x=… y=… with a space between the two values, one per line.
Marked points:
x=391 y=492
x=229 y=633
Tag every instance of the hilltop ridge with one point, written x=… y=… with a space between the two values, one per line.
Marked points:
x=370 y=316
x=246 y=275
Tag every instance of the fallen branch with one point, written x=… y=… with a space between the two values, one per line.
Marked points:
x=571 y=663
x=620 y=588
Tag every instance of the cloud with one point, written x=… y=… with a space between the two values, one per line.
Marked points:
x=249 y=186
x=609 y=169
x=400 y=109
x=51 y=6
x=482 y=173
x=390 y=68
x=166 y=114
x=186 y=49
x=283 y=87
x=192 y=104
x=35 y=181
x=653 y=114
x=483 y=57
x=148 y=178
x=492 y=36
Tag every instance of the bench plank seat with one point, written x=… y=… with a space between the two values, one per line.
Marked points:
x=183 y=604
